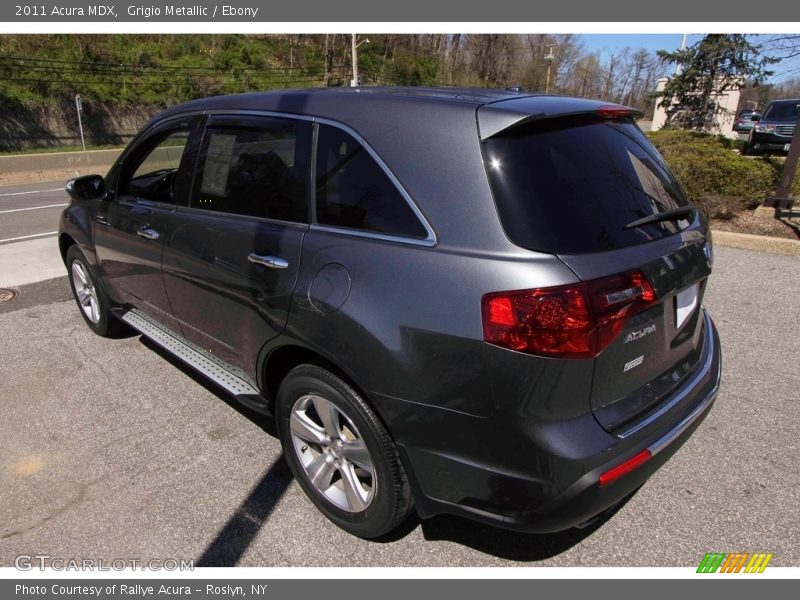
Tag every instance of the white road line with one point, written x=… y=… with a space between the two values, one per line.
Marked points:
x=2 y=212
x=27 y=237
x=61 y=189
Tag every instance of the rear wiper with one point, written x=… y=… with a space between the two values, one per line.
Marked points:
x=673 y=214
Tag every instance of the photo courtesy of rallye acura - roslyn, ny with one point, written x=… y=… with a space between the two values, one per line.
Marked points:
x=478 y=302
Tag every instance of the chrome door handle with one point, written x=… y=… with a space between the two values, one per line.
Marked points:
x=146 y=232
x=272 y=262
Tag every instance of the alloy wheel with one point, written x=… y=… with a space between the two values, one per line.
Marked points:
x=332 y=453
x=85 y=291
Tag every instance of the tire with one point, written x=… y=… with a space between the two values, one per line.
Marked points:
x=90 y=298
x=332 y=440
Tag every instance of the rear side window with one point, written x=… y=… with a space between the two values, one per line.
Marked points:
x=570 y=186
x=353 y=190
x=258 y=171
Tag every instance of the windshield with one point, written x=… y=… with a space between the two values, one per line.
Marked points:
x=782 y=110
x=570 y=186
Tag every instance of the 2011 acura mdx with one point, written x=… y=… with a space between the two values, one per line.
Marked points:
x=478 y=302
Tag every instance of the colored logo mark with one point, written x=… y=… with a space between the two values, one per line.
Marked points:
x=743 y=562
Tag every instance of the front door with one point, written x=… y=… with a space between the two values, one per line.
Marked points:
x=152 y=178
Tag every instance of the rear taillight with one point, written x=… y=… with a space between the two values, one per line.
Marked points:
x=577 y=320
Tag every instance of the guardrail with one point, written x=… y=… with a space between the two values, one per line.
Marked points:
x=29 y=168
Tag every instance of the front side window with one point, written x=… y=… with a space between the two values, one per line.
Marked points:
x=258 y=171
x=153 y=171
x=353 y=191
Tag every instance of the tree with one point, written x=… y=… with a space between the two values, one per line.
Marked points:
x=716 y=64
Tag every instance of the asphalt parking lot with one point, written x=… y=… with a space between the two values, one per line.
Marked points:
x=110 y=450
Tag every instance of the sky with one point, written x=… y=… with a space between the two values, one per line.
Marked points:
x=608 y=43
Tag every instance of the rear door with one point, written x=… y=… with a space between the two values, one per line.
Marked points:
x=589 y=188
x=232 y=258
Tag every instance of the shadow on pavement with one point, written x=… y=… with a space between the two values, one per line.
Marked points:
x=243 y=526
x=263 y=421
x=232 y=541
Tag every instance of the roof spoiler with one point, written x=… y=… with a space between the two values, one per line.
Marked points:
x=497 y=117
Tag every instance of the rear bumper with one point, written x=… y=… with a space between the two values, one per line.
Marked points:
x=576 y=497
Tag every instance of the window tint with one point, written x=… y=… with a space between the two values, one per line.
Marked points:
x=152 y=173
x=572 y=185
x=259 y=171
x=353 y=191
x=781 y=110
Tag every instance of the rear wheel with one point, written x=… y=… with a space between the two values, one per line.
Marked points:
x=340 y=453
x=90 y=298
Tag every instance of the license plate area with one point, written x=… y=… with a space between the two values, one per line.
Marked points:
x=786 y=147
x=685 y=304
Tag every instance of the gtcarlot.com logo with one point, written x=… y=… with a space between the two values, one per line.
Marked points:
x=29 y=562
x=737 y=562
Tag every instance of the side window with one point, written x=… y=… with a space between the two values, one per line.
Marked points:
x=353 y=191
x=258 y=171
x=152 y=172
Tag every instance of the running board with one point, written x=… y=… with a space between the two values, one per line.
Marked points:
x=208 y=365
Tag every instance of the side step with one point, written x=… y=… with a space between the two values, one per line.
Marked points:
x=208 y=365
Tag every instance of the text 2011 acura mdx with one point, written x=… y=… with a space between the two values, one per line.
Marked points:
x=476 y=302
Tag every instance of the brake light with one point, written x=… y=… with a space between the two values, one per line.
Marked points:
x=615 y=111
x=629 y=465
x=570 y=321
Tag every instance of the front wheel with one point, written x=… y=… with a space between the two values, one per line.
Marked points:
x=90 y=298
x=340 y=453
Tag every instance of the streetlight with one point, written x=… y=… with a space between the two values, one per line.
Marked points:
x=354 y=46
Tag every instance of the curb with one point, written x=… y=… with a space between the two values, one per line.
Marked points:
x=762 y=243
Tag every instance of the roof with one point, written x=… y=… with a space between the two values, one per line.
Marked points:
x=421 y=95
x=499 y=109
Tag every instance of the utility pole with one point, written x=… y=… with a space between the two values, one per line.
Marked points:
x=79 y=108
x=549 y=58
x=354 y=49
x=354 y=81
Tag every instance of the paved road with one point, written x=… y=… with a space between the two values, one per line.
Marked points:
x=30 y=210
x=28 y=224
x=109 y=450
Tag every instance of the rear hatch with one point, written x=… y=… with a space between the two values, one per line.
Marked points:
x=579 y=179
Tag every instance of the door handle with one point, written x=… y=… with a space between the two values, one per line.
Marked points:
x=146 y=232
x=272 y=262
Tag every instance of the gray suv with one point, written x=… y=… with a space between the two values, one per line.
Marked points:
x=477 y=302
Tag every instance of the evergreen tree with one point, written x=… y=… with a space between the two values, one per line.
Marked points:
x=714 y=65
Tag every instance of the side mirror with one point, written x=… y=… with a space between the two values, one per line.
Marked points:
x=88 y=187
x=755 y=117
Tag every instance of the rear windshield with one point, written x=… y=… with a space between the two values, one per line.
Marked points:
x=781 y=110
x=569 y=186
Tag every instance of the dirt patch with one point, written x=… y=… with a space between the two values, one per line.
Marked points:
x=787 y=226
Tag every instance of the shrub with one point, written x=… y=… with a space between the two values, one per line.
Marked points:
x=715 y=177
